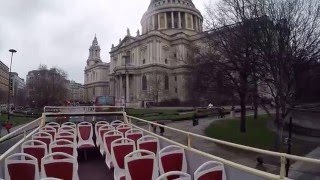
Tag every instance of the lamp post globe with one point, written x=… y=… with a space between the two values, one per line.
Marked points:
x=12 y=50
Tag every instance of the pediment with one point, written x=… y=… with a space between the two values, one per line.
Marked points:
x=127 y=40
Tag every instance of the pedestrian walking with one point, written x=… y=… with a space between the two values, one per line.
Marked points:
x=154 y=127
x=161 y=128
x=195 y=121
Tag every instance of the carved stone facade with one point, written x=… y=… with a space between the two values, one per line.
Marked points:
x=151 y=66
x=96 y=78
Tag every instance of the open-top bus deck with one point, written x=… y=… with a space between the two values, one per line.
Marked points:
x=95 y=157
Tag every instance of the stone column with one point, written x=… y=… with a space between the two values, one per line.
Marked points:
x=153 y=26
x=160 y=52
x=151 y=52
x=179 y=20
x=186 y=20
x=165 y=20
x=197 y=25
x=158 y=15
x=192 y=24
x=127 y=88
x=120 y=88
x=172 y=20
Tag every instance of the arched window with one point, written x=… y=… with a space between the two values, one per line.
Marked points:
x=166 y=82
x=144 y=82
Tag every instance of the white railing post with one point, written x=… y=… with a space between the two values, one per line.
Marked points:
x=189 y=140
x=282 y=167
x=150 y=128
x=43 y=120
x=129 y=120
x=125 y=118
x=24 y=134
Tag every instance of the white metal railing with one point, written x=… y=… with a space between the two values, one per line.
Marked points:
x=78 y=108
x=15 y=146
x=283 y=156
x=189 y=135
x=23 y=128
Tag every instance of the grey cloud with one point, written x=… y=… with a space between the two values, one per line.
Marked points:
x=59 y=32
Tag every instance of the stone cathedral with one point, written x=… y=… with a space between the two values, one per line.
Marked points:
x=150 y=65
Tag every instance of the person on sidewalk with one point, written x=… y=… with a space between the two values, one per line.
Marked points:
x=154 y=127
x=161 y=128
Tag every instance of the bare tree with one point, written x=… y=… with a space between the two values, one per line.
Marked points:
x=264 y=41
x=288 y=46
x=48 y=87
x=230 y=48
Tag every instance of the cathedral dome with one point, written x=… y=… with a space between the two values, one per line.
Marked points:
x=172 y=16
x=159 y=2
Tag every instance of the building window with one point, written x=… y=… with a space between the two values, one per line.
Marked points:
x=144 y=82
x=127 y=57
x=143 y=61
x=166 y=82
x=175 y=55
x=175 y=78
x=166 y=61
x=176 y=90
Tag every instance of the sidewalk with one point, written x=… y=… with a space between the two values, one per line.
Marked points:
x=247 y=158
x=310 y=171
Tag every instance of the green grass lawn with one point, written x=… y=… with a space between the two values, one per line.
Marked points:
x=257 y=135
x=16 y=120
x=172 y=117
x=167 y=114
x=159 y=114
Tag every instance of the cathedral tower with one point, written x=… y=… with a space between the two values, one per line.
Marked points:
x=96 y=74
x=94 y=52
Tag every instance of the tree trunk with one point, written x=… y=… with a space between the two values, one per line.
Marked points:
x=255 y=101
x=278 y=127
x=242 y=96
x=243 y=113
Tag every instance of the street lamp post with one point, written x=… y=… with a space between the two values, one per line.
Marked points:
x=8 y=106
x=125 y=87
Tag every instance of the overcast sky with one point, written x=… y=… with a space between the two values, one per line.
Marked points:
x=58 y=33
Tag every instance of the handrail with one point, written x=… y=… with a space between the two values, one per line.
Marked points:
x=248 y=148
x=17 y=144
x=227 y=162
x=282 y=156
x=80 y=113
x=19 y=129
x=189 y=135
x=79 y=107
